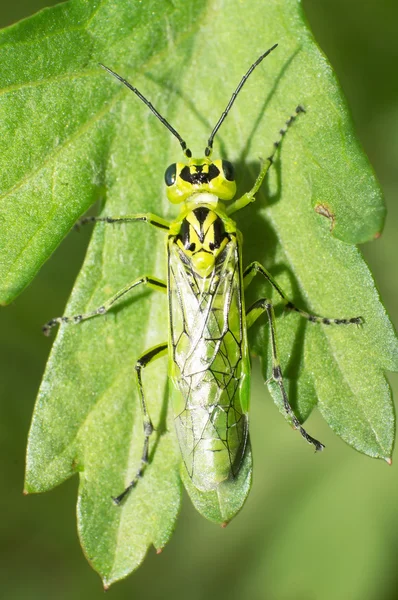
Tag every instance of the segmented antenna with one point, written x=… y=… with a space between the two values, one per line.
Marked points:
x=186 y=150
x=209 y=146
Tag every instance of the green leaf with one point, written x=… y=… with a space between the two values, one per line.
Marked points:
x=73 y=135
x=222 y=505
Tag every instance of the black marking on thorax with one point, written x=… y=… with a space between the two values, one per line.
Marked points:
x=215 y=230
x=201 y=214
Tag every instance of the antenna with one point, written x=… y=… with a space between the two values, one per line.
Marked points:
x=209 y=146
x=186 y=150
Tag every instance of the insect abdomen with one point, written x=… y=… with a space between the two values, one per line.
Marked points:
x=209 y=365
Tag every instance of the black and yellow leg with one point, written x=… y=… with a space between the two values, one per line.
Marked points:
x=141 y=363
x=257 y=309
x=256 y=268
x=153 y=282
x=250 y=196
x=146 y=217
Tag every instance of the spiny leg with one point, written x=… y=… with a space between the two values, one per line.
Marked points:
x=153 y=282
x=257 y=268
x=250 y=195
x=142 y=362
x=150 y=218
x=257 y=309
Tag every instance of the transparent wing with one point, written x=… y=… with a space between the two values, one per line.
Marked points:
x=209 y=366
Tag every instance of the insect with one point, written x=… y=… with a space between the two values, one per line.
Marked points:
x=207 y=348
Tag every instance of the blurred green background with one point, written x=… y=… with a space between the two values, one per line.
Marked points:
x=313 y=528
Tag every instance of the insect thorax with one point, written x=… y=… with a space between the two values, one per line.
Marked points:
x=202 y=239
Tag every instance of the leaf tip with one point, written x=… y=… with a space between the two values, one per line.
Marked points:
x=158 y=550
x=223 y=525
x=25 y=492
x=388 y=460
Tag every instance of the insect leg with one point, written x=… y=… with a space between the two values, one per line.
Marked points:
x=153 y=282
x=257 y=309
x=257 y=268
x=146 y=217
x=250 y=195
x=141 y=363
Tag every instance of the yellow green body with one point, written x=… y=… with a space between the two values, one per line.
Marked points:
x=209 y=365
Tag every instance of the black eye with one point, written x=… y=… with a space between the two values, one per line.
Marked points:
x=170 y=175
x=228 y=169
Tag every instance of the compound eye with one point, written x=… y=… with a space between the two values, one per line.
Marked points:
x=170 y=175
x=229 y=172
